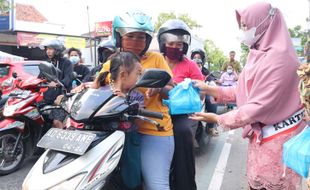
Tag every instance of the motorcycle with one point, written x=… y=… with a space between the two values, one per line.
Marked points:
x=86 y=156
x=23 y=123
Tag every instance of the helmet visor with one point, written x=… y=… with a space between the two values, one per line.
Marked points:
x=168 y=37
x=124 y=31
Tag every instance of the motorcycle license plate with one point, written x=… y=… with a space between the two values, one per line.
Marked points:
x=71 y=141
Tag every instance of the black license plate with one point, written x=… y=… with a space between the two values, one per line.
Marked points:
x=72 y=141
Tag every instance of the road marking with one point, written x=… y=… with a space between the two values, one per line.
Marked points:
x=219 y=172
x=218 y=175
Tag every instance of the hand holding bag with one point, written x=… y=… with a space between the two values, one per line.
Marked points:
x=184 y=99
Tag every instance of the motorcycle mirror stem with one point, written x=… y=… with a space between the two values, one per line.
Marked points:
x=75 y=77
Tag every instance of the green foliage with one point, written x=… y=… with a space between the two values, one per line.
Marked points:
x=244 y=54
x=296 y=32
x=163 y=17
x=216 y=57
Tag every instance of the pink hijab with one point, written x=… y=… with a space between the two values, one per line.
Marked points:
x=267 y=90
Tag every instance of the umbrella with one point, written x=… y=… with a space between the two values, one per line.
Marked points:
x=6 y=57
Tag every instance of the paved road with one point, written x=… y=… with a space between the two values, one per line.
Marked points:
x=220 y=165
x=206 y=163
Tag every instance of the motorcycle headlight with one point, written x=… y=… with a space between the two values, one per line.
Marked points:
x=71 y=183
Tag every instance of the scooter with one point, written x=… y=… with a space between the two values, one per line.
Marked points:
x=86 y=156
x=22 y=125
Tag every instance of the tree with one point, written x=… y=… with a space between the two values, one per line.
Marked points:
x=163 y=17
x=297 y=33
x=216 y=57
x=244 y=54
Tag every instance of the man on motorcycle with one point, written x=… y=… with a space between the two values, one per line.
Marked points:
x=53 y=49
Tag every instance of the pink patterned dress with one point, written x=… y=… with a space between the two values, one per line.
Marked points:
x=264 y=165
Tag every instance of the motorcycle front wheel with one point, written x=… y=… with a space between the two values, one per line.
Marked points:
x=10 y=162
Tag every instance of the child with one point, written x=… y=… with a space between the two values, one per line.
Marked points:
x=124 y=72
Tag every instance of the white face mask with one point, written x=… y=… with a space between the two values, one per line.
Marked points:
x=229 y=71
x=248 y=37
x=74 y=59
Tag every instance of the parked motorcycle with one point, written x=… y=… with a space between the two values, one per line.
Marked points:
x=23 y=124
x=85 y=158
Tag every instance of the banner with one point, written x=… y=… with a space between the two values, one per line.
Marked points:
x=34 y=40
x=103 y=29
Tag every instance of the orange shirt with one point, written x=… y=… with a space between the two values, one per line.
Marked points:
x=154 y=103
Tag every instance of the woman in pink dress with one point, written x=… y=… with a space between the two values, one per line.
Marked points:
x=269 y=109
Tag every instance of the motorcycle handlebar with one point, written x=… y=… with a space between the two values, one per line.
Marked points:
x=152 y=114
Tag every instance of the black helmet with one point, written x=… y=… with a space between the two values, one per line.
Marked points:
x=179 y=29
x=105 y=49
x=55 y=44
x=199 y=51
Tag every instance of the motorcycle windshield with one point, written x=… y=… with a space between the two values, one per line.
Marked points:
x=86 y=103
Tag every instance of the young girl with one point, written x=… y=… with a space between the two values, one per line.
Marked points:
x=124 y=72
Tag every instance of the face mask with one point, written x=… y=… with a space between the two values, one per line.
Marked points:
x=248 y=37
x=74 y=59
x=134 y=46
x=229 y=71
x=174 y=53
x=197 y=60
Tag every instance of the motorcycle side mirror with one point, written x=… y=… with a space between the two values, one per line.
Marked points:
x=50 y=72
x=151 y=78
x=14 y=75
x=75 y=76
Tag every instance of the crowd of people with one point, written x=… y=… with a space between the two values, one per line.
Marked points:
x=265 y=92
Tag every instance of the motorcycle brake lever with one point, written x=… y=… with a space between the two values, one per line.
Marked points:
x=159 y=128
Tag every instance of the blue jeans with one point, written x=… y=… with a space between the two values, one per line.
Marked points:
x=156 y=157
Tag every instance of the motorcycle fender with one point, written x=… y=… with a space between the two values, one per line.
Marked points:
x=7 y=124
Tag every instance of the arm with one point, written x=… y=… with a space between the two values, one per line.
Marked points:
x=230 y=120
x=161 y=64
x=222 y=95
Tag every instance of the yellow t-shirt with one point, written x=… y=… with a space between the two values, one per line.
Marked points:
x=154 y=103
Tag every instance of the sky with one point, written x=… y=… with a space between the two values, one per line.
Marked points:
x=217 y=17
